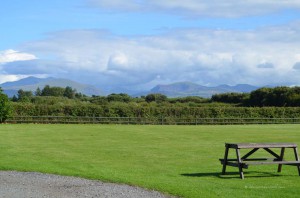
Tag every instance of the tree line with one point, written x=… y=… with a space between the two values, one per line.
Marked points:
x=70 y=93
x=278 y=97
x=264 y=97
x=56 y=101
x=26 y=96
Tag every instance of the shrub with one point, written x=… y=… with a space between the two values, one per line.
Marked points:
x=5 y=107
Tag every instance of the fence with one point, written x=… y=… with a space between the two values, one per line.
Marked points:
x=148 y=121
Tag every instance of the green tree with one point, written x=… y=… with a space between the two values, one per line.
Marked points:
x=5 y=108
x=260 y=97
x=277 y=97
x=158 y=98
x=230 y=97
x=24 y=96
x=100 y=100
x=46 y=91
x=14 y=98
x=122 y=97
x=38 y=92
x=52 y=91
x=69 y=92
x=294 y=97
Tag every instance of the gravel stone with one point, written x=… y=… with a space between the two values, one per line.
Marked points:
x=37 y=185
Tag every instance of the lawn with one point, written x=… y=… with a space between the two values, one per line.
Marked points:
x=177 y=160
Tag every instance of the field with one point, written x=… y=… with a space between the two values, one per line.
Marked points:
x=177 y=160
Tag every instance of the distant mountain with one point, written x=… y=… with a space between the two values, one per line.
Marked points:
x=181 y=89
x=32 y=83
x=25 y=81
x=243 y=88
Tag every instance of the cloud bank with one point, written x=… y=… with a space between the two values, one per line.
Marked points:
x=209 y=57
x=12 y=55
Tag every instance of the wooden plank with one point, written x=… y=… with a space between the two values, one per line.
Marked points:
x=225 y=159
x=280 y=159
x=249 y=153
x=274 y=162
x=261 y=145
x=297 y=158
x=272 y=153
x=238 y=156
x=252 y=159
x=235 y=164
x=246 y=164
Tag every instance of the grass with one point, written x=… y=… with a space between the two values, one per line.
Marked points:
x=177 y=160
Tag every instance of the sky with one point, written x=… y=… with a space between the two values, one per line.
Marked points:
x=120 y=45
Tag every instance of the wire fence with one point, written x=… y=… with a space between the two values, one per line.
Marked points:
x=148 y=121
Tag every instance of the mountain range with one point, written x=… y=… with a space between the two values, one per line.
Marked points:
x=32 y=83
x=179 y=89
x=192 y=89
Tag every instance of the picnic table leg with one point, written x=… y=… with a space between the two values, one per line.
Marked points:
x=225 y=159
x=239 y=163
x=281 y=158
x=297 y=159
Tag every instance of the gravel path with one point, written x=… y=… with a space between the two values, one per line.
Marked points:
x=37 y=185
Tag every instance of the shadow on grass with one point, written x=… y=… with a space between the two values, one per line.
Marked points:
x=232 y=175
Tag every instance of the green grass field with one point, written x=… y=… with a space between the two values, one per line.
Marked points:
x=177 y=160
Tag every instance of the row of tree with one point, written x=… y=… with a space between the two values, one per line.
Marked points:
x=277 y=97
x=70 y=93
x=26 y=96
x=67 y=101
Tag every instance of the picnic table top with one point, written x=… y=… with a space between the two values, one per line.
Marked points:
x=261 y=145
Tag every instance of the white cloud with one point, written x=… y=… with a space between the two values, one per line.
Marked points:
x=118 y=61
x=211 y=8
x=10 y=78
x=203 y=56
x=12 y=55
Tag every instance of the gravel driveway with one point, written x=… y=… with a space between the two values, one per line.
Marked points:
x=37 y=185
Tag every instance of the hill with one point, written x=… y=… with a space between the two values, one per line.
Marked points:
x=32 y=83
x=181 y=89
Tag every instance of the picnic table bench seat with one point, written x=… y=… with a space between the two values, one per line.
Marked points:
x=245 y=161
x=246 y=164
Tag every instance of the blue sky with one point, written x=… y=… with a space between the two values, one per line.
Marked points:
x=136 y=44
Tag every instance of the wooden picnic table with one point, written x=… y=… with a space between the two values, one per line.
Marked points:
x=245 y=161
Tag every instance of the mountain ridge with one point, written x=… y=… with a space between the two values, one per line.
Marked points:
x=32 y=83
x=177 y=89
x=180 y=89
